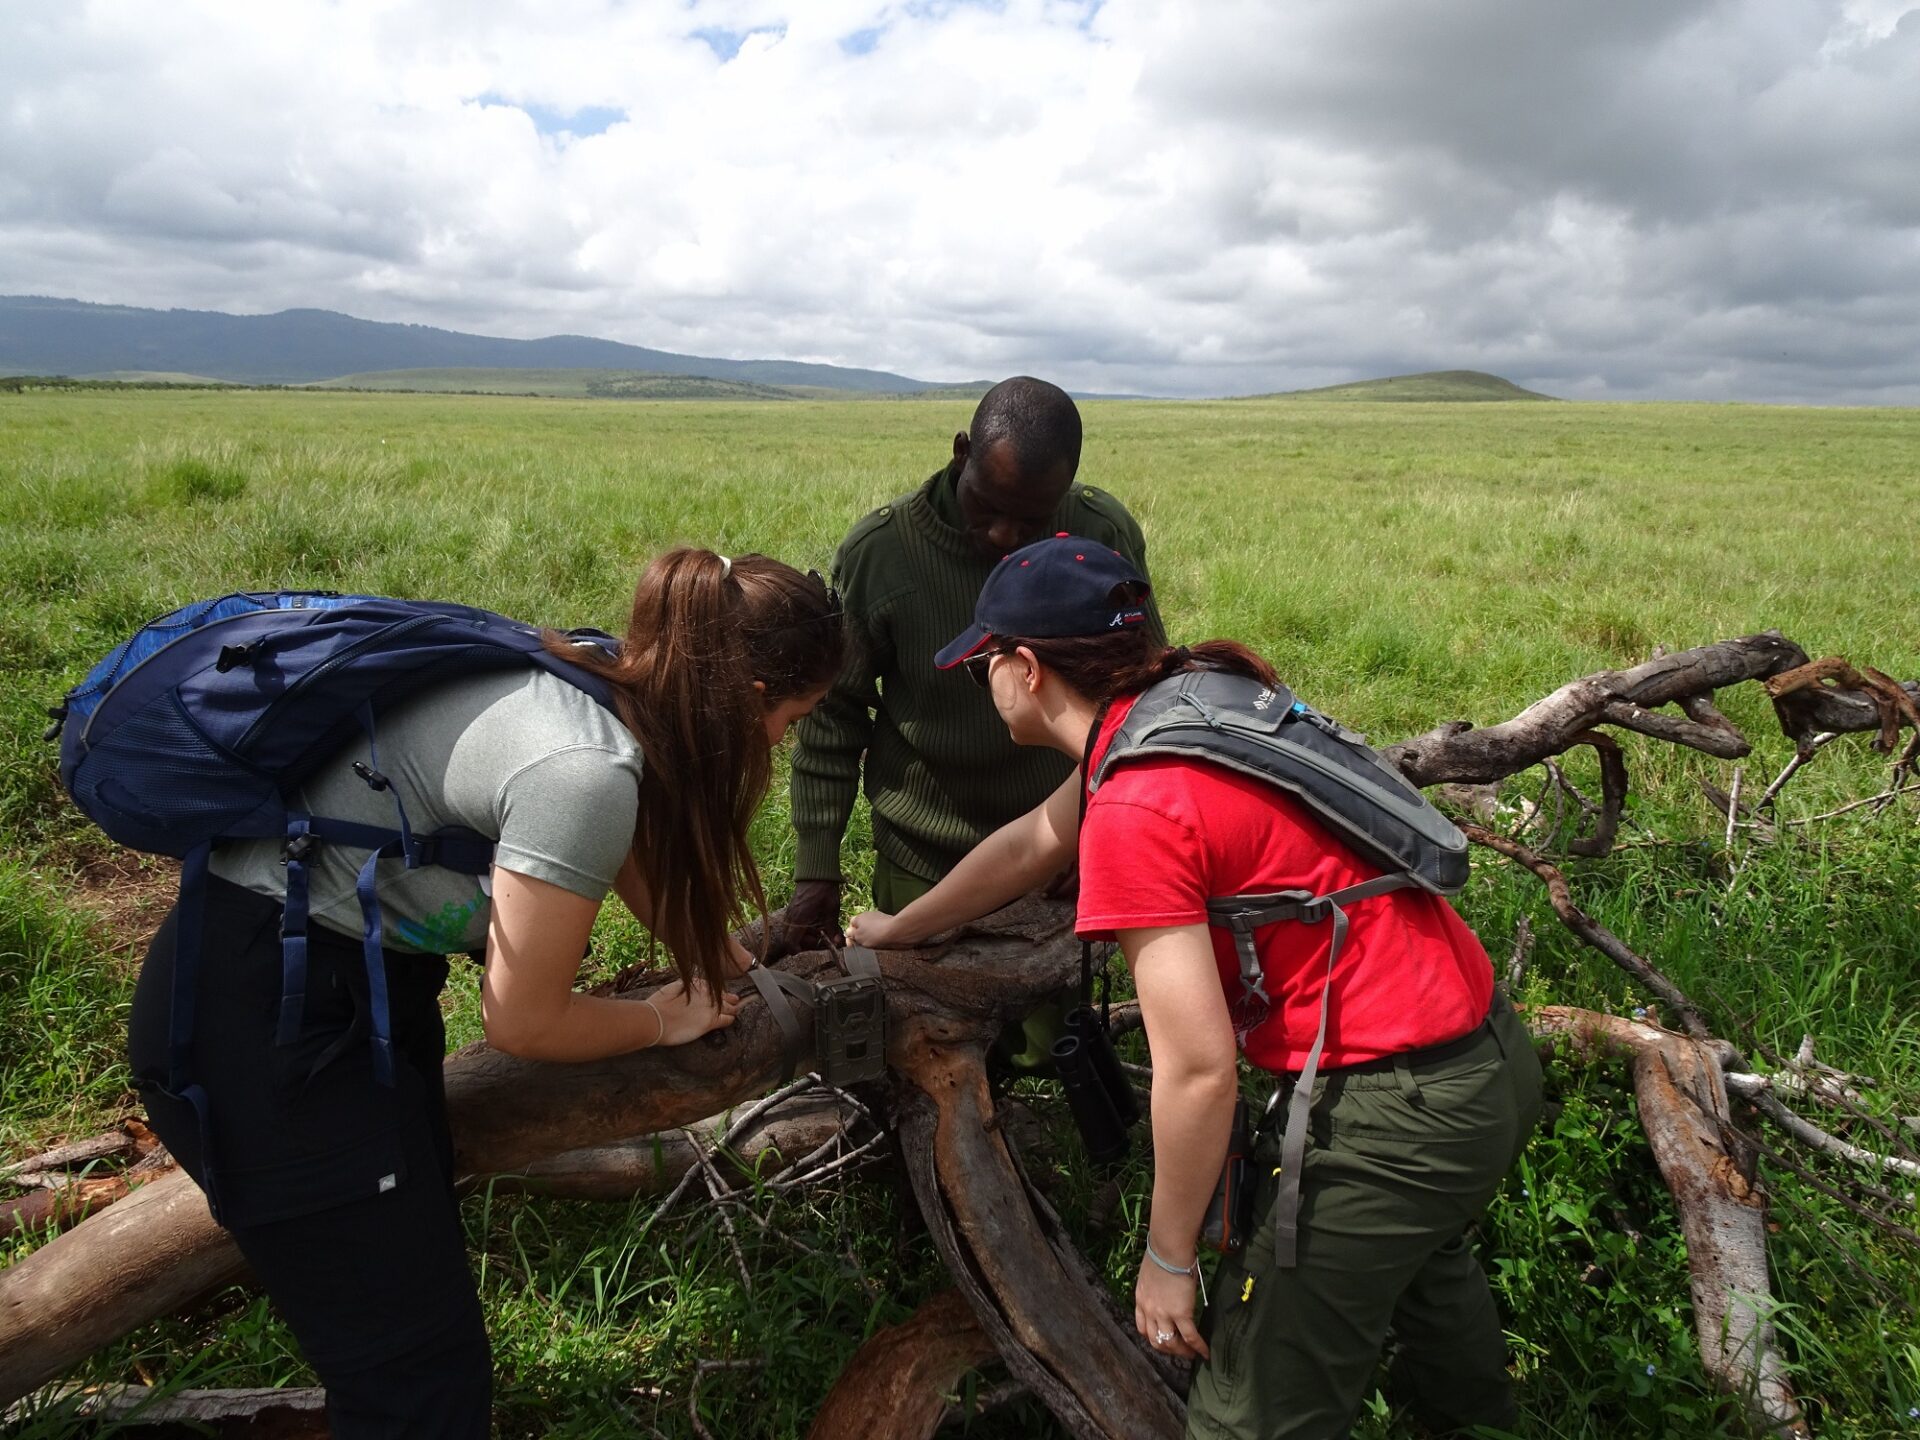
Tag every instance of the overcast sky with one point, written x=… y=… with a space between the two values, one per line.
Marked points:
x=1596 y=198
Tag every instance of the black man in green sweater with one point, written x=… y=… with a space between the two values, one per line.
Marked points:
x=940 y=771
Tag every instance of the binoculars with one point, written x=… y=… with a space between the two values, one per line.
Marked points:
x=1103 y=1103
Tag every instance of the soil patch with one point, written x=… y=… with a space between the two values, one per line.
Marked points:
x=131 y=893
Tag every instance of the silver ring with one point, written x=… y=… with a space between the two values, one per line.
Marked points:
x=1161 y=1337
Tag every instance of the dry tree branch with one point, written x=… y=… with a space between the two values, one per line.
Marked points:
x=1803 y=755
x=1812 y=1136
x=1722 y=741
x=1872 y=1216
x=1522 y=949
x=700 y=1372
x=1880 y=802
x=1613 y=794
x=717 y=1191
x=1560 y=896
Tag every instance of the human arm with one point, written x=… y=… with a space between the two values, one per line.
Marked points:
x=1018 y=857
x=535 y=937
x=1195 y=1083
x=830 y=742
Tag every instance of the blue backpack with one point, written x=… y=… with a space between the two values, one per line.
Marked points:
x=201 y=727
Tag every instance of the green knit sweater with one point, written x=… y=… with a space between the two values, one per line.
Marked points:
x=941 y=773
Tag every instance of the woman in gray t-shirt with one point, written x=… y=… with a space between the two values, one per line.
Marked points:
x=339 y=1190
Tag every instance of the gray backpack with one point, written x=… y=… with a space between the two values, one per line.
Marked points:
x=1265 y=733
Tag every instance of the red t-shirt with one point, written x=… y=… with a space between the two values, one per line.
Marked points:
x=1162 y=836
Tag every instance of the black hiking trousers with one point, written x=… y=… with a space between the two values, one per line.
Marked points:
x=338 y=1190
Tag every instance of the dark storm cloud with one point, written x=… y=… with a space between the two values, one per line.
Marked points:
x=1636 y=199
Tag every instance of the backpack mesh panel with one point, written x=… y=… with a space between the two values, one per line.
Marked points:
x=190 y=786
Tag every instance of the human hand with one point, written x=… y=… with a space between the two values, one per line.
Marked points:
x=687 y=1014
x=878 y=931
x=809 y=921
x=1163 y=1306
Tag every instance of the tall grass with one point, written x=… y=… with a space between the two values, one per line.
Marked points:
x=1402 y=564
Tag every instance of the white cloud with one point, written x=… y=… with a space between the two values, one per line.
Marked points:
x=1707 y=198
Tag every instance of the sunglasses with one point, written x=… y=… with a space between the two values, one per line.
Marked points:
x=978 y=667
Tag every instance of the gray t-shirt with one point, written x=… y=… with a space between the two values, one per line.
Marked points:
x=522 y=757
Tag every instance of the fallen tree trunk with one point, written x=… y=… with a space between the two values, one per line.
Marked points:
x=230 y=1414
x=1055 y=1327
x=653 y=1164
x=1030 y=1292
x=1708 y=1168
x=155 y=1251
x=897 y=1384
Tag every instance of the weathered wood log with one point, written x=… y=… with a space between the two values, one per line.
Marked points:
x=153 y=1252
x=508 y=1113
x=145 y=1257
x=1683 y=1108
x=1056 y=1329
x=61 y=1204
x=897 y=1384
x=652 y=1164
x=1457 y=751
x=260 y=1414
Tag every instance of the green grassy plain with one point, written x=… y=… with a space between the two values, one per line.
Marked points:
x=1402 y=564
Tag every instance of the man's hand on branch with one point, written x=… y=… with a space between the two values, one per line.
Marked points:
x=809 y=921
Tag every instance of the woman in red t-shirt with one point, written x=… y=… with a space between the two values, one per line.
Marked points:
x=1427 y=1085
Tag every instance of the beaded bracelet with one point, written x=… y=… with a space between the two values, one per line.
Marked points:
x=1192 y=1271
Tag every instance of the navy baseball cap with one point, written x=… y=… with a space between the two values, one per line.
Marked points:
x=1051 y=588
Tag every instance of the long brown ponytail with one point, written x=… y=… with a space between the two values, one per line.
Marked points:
x=703 y=630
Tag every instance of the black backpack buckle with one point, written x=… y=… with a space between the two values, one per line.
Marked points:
x=300 y=847
x=375 y=780
x=232 y=657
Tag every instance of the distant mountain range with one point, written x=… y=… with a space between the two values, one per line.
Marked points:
x=45 y=336
x=40 y=335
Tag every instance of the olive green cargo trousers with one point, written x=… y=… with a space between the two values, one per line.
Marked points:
x=1400 y=1162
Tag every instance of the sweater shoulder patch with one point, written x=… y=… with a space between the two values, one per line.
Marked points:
x=866 y=527
x=1103 y=506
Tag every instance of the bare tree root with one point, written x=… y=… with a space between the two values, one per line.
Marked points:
x=1056 y=1330
x=1709 y=1172
x=897 y=1384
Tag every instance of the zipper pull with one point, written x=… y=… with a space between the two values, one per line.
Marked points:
x=1206 y=711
